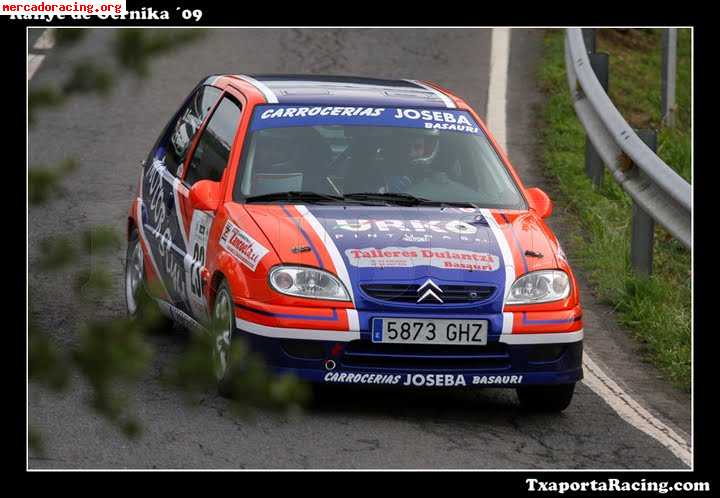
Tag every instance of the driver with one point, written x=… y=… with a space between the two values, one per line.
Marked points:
x=408 y=151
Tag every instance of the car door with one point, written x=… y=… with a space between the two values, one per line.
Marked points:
x=163 y=223
x=207 y=161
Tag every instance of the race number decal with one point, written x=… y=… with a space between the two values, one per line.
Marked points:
x=197 y=255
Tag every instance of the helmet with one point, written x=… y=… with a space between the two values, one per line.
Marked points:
x=423 y=147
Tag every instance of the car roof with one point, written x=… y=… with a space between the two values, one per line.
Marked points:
x=346 y=90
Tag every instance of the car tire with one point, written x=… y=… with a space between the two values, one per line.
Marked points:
x=224 y=316
x=134 y=260
x=135 y=283
x=547 y=399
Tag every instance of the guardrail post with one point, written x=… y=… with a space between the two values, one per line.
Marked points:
x=594 y=167
x=669 y=74
x=643 y=226
x=589 y=38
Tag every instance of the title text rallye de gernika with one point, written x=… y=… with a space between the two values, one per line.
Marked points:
x=355 y=231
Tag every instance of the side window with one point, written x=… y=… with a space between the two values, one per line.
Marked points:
x=213 y=149
x=180 y=133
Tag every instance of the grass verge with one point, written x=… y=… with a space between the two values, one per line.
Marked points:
x=656 y=309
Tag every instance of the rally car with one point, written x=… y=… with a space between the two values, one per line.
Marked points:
x=355 y=231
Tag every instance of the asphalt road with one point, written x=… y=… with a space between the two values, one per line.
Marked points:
x=356 y=428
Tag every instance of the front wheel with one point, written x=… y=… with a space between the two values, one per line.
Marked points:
x=547 y=399
x=134 y=276
x=223 y=325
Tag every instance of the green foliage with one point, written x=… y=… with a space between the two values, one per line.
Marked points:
x=635 y=88
x=111 y=352
x=93 y=283
x=113 y=355
x=35 y=441
x=67 y=37
x=56 y=253
x=249 y=381
x=87 y=76
x=101 y=240
x=42 y=97
x=134 y=47
x=45 y=362
x=657 y=309
x=43 y=183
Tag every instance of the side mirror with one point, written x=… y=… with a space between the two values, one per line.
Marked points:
x=205 y=195
x=540 y=202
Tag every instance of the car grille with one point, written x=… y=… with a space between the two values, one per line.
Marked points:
x=408 y=293
x=363 y=353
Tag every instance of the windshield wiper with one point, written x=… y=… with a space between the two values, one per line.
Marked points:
x=364 y=198
x=460 y=204
x=388 y=197
x=304 y=196
x=294 y=195
x=407 y=199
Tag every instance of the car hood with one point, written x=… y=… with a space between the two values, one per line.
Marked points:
x=408 y=245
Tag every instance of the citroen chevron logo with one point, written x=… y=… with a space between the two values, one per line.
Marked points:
x=432 y=289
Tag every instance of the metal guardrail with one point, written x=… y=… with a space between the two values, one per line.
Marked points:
x=655 y=188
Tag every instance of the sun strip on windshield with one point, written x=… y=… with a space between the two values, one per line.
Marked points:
x=282 y=116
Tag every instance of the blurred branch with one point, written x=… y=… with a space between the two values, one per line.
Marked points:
x=135 y=47
x=88 y=77
x=132 y=48
x=46 y=363
x=113 y=355
x=56 y=253
x=43 y=182
x=42 y=97
x=110 y=353
x=101 y=240
x=67 y=37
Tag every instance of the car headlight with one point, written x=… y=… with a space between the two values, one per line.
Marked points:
x=540 y=287
x=307 y=282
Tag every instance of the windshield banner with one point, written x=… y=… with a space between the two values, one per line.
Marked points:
x=281 y=116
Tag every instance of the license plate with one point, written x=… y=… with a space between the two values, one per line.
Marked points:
x=430 y=331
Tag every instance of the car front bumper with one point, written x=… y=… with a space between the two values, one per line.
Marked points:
x=501 y=363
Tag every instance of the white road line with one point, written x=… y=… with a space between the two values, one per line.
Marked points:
x=595 y=378
x=46 y=40
x=632 y=412
x=497 y=86
x=34 y=61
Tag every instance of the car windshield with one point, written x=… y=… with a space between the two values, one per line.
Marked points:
x=385 y=155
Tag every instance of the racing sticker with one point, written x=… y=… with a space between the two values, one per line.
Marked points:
x=497 y=379
x=407 y=257
x=431 y=226
x=195 y=260
x=277 y=116
x=238 y=243
x=421 y=380
x=162 y=226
